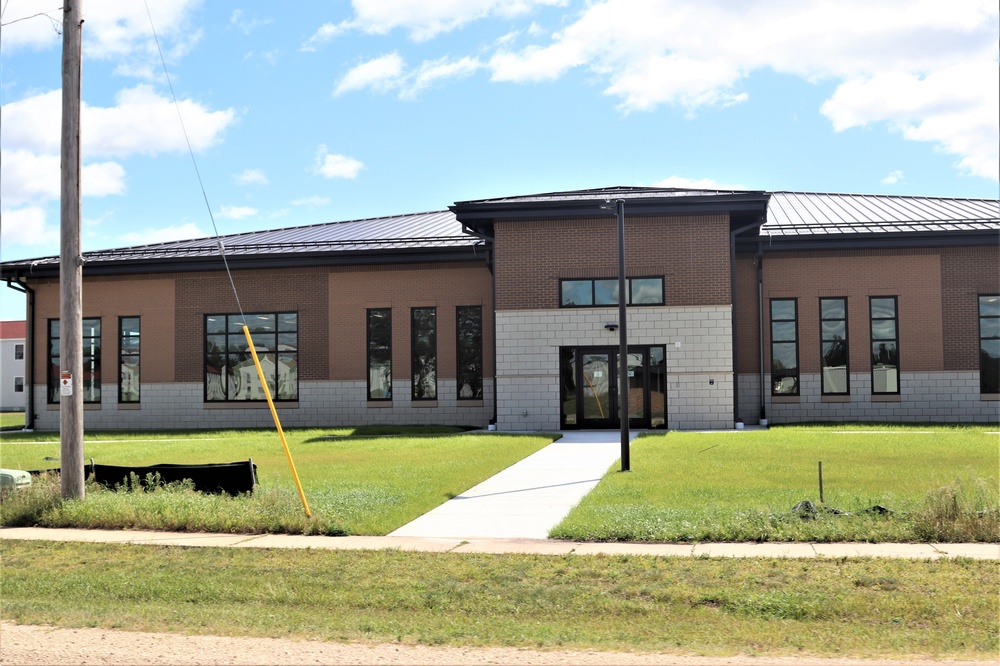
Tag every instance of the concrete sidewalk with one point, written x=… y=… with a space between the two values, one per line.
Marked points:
x=527 y=499
x=913 y=551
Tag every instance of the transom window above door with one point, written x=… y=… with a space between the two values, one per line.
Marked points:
x=603 y=292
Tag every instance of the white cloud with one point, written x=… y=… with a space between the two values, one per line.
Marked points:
x=326 y=33
x=893 y=178
x=28 y=25
x=27 y=226
x=929 y=72
x=380 y=74
x=162 y=235
x=336 y=166
x=244 y=24
x=680 y=182
x=236 y=212
x=311 y=201
x=426 y=19
x=251 y=177
x=26 y=177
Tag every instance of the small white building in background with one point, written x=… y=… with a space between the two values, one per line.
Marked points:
x=12 y=337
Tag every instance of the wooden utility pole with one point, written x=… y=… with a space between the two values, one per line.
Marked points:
x=71 y=261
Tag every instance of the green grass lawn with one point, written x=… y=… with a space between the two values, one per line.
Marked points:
x=356 y=481
x=11 y=420
x=714 y=606
x=741 y=486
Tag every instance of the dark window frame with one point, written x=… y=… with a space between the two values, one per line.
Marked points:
x=628 y=287
x=419 y=363
x=53 y=379
x=785 y=372
x=18 y=384
x=19 y=351
x=224 y=377
x=989 y=377
x=122 y=355
x=874 y=341
x=824 y=341
x=368 y=353
x=468 y=363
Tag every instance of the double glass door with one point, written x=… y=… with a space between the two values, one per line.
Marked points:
x=590 y=393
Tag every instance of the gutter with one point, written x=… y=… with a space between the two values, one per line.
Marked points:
x=29 y=362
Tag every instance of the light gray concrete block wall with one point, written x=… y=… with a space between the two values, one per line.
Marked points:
x=321 y=404
x=698 y=343
x=924 y=397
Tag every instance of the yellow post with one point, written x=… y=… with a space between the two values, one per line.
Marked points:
x=274 y=413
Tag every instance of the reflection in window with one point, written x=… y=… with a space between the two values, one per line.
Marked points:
x=989 y=344
x=469 y=379
x=18 y=384
x=784 y=347
x=657 y=387
x=90 y=383
x=885 y=345
x=128 y=351
x=604 y=292
x=19 y=352
x=380 y=354
x=230 y=372
x=833 y=345
x=423 y=341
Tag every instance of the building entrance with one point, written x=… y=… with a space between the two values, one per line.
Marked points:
x=589 y=392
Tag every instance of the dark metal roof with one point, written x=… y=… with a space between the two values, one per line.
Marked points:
x=604 y=193
x=415 y=233
x=813 y=214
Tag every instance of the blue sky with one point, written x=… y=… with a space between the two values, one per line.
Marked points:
x=308 y=112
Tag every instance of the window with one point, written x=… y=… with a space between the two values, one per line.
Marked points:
x=18 y=384
x=784 y=347
x=423 y=353
x=380 y=354
x=989 y=344
x=885 y=345
x=469 y=378
x=604 y=292
x=90 y=383
x=128 y=359
x=230 y=372
x=833 y=346
x=18 y=352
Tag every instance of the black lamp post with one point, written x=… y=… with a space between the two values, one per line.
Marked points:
x=619 y=208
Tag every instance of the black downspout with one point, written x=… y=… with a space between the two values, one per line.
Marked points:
x=760 y=323
x=732 y=294
x=29 y=362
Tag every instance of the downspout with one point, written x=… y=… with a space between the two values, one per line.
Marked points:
x=760 y=323
x=732 y=292
x=29 y=362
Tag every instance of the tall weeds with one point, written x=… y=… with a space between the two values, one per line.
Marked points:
x=965 y=510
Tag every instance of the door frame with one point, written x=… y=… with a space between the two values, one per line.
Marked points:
x=613 y=421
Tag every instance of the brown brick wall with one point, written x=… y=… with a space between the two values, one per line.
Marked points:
x=746 y=315
x=966 y=274
x=691 y=252
x=149 y=297
x=914 y=278
x=353 y=291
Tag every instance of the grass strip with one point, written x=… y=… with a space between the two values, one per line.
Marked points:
x=881 y=484
x=711 y=606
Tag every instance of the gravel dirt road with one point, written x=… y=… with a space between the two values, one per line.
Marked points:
x=30 y=645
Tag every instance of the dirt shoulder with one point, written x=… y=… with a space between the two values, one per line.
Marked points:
x=30 y=645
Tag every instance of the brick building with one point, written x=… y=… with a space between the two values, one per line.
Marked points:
x=740 y=306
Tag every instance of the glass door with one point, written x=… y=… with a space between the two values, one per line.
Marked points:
x=596 y=390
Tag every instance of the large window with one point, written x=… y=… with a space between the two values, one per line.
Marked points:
x=128 y=355
x=833 y=346
x=784 y=347
x=230 y=373
x=469 y=378
x=380 y=354
x=600 y=293
x=423 y=353
x=885 y=345
x=90 y=383
x=989 y=344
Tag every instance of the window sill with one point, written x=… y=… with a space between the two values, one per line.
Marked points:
x=380 y=404
x=128 y=405
x=87 y=407
x=785 y=399
x=424 y=403
x=835 y=398
x=891 y=397
x=989 y=397
x=469 y=403
x=249 y=405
